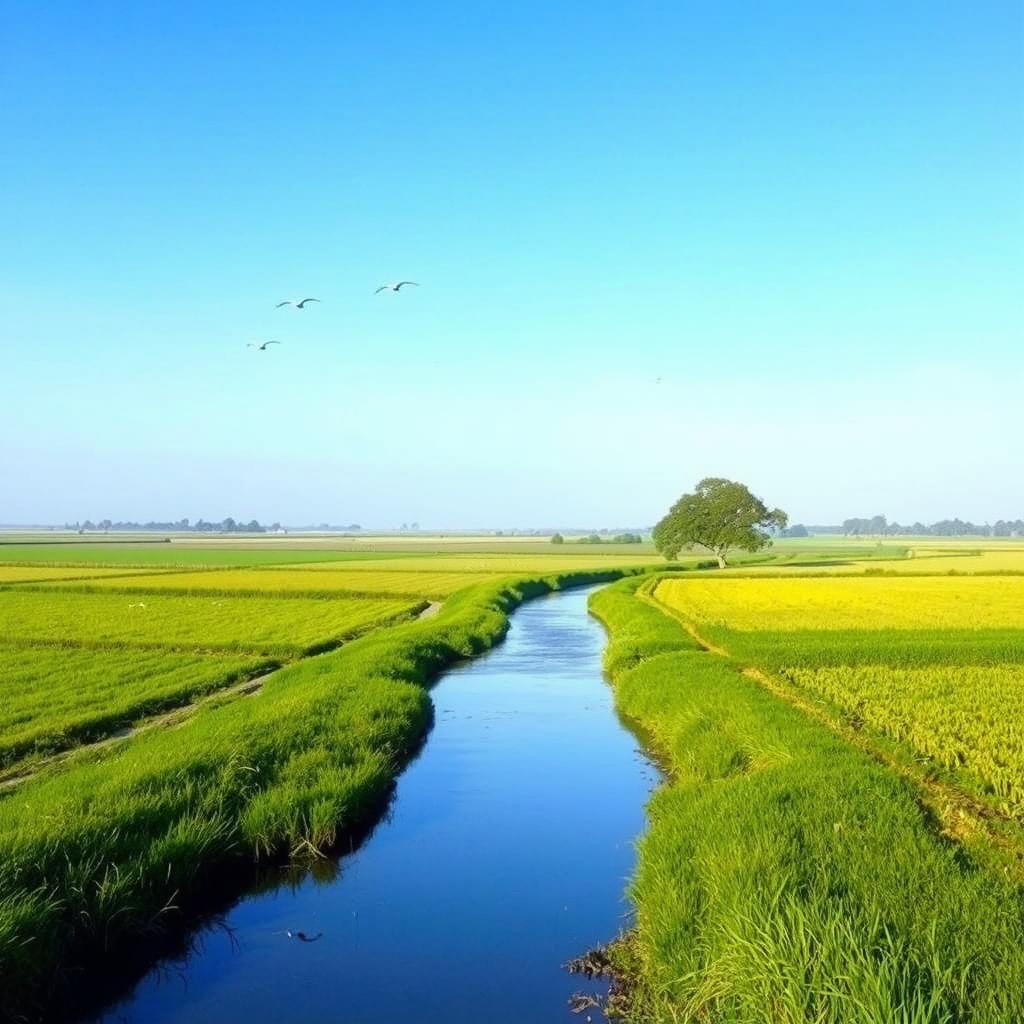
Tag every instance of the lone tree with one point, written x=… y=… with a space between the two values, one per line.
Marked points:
x=720 y=515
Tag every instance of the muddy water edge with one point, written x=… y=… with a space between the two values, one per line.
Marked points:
x=504 y=853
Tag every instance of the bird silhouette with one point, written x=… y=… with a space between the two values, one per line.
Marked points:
x=396 y=286
x=303 y=937
x=263 y=347
x=297 y=303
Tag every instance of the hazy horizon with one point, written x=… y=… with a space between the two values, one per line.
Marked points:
x=413 y=527
x=806 y=222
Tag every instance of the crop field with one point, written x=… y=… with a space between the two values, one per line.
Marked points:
x=934 y=664
x=45 y=573
x=176 y=555
x=276 y=582
x=870 y=603
x=53 y=698
x=950 y=560
x=271 y=626
x=966 y=718
x=502 y=564
x=916 y=562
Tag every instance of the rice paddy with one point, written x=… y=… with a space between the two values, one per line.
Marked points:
x=504 y=564
x=174 y=555
x=966 y=718
x=870 y=603
x=47 y=573
x=933 y=664
x=54 y=698
x=275 y=582
x=270 y=626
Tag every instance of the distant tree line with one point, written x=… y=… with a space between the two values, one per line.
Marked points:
x=228 y=525
x=596 y=538
x=879 y=526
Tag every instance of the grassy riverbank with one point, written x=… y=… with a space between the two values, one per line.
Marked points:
x=103 y=853
x=786 y=875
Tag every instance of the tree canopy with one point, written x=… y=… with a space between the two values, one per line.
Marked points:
x=719 y=515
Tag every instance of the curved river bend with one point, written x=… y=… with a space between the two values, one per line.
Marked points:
x=505 y=853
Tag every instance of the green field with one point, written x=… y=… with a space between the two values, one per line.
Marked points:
x=277 y=582
x=54 y=698
x=270 y=626
x=505 y=564
x=180 y=555
x=46 y=573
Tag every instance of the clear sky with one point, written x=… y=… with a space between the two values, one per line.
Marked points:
x=806 y=218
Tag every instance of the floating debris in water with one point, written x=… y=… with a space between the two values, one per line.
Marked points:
x=580 y=1001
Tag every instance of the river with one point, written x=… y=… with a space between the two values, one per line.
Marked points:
x=505 y=852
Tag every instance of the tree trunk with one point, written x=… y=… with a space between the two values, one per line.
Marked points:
x=720 y=555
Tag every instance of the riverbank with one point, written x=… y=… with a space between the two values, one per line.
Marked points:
x=97 y=858
x=501 y=856
x=785 y=875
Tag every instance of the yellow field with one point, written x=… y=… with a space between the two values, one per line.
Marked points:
x=919 y=562
x=962 y=716
x=946 y=560
x=918 y=663
x=856 y=603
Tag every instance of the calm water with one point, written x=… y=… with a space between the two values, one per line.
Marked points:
x=504 y=853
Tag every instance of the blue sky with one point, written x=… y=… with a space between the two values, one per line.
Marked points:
x=805 y=218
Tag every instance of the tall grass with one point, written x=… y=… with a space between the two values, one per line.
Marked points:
x=786 y=876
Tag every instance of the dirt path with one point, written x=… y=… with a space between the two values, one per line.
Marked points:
x=430 y=611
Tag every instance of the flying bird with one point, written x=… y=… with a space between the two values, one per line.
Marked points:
x=137 y=605
x=263 y=347
x=297 y=303
x=396 y=286
x=303 y=937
